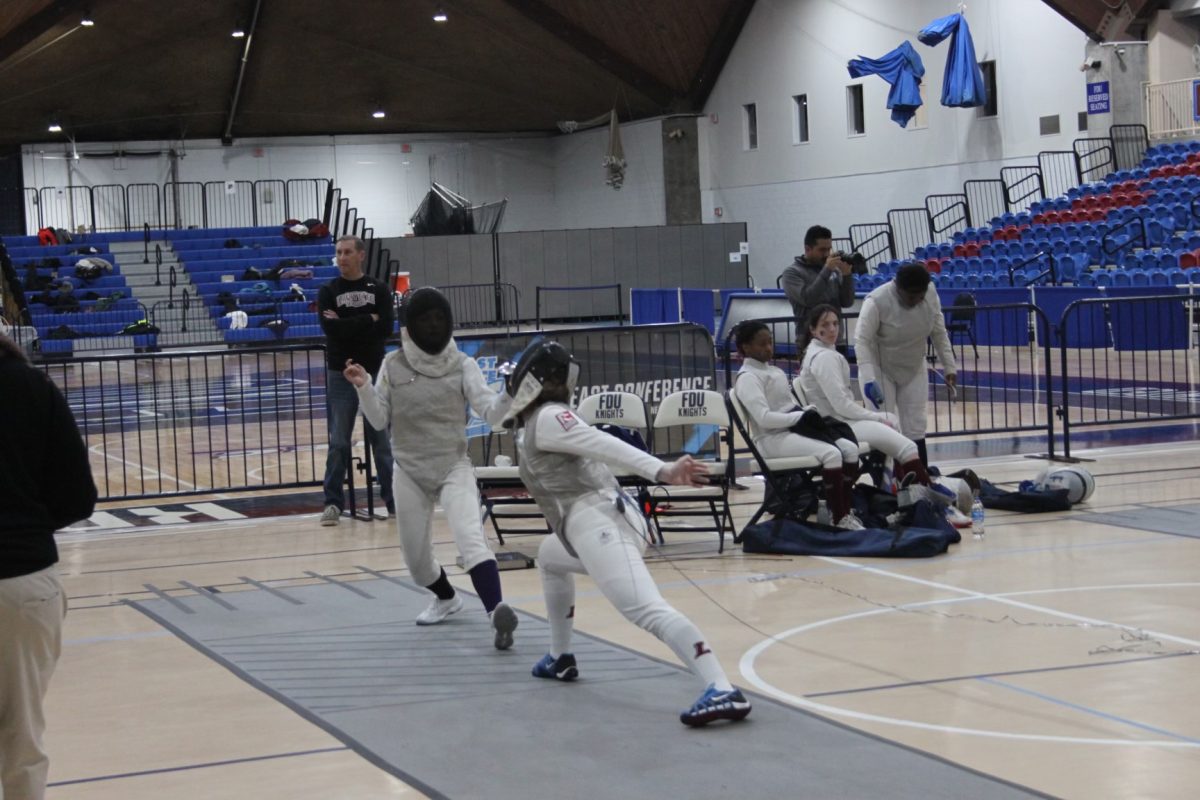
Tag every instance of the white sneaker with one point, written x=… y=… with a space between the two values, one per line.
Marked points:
x=332 y=515
x=957 y=518
x=438 y=610
x=504 y=622
x=850 y=523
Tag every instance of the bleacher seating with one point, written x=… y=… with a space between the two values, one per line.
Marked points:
x=1138 y=227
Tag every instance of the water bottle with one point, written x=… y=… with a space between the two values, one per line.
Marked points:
x=823 y=515
x=977 y=518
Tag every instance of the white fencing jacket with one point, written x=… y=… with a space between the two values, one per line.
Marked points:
x=890 y=339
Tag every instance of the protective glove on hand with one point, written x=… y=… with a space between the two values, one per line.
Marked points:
x=872 y=392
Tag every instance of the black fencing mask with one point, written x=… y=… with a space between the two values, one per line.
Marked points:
x=429 y=320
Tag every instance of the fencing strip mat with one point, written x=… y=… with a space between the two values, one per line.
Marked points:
x=440 y=708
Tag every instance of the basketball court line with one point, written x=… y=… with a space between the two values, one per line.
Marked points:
x=202 y=765
x=747 y=661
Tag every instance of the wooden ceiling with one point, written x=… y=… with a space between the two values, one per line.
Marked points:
x=154 y=69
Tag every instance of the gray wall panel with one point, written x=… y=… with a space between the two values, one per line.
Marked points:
x=647 y=258
x=578 y=271
x=602 y=268
x=625 y=265
x=670 y=253
x=555 y=247
x=691 y=257
x=482 y=269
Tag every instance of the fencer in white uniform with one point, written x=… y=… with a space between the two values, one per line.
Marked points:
x=423 y=390
x=598 y=530
x=765 y=393
x=894 y=324
x=825 y=379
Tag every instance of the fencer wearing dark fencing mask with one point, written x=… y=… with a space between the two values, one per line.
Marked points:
x=429 y=320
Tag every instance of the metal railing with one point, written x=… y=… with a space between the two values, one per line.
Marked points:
x=1127 y=361
x=567 y=304
x=113 y=207
x=1170 y=108
x=873 y=240
x=192 y=423
x=480 y=305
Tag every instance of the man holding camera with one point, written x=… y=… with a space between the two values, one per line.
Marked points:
x=819 y=276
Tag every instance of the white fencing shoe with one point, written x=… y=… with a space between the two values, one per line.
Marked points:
x=438 y=610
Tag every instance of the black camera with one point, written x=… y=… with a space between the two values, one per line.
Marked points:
x=858 y=264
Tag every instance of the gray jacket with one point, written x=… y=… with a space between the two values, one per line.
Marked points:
x=808 y=285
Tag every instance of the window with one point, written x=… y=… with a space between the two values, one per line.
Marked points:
x=1083 y=122
x=856 y=123
x=1048 y=126
x=750 y=126
x=991 y=106
x=800 y=119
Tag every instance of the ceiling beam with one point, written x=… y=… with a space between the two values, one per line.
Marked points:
x=718 y=52
x=597 y=52
x=36 y=25
x=227 y=135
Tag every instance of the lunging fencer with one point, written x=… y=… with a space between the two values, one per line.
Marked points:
x=598 y=530
x=423 y=389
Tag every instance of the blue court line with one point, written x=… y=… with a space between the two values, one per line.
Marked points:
x=205 y=765
x=1092 y=711
x=984 y=675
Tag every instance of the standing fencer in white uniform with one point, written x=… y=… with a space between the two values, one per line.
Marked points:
x=894 y=324
x=765 y=393
x=598 y=530
x=825 y=379
x=423 y=390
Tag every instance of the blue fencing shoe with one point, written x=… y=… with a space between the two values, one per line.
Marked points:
x=714 y=705
x=560 y=669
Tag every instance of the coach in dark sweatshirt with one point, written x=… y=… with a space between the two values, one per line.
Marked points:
x=45 y=484
x=356 y=315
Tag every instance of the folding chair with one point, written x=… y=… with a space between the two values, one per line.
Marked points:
x=623 y=409
x=690 y=409
x=505 y=497
x=777 y=473
x=961 y=319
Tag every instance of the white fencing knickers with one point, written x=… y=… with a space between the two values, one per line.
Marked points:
x=908 y=401
x=459 y=496
x=610 y=546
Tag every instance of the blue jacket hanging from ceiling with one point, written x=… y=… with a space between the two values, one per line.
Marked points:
x=962 y=85
x=902 y=68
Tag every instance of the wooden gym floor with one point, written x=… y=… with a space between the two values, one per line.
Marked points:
x=1059 y=653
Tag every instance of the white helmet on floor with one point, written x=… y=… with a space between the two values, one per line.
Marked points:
x=964 y=498
x=1078 y=482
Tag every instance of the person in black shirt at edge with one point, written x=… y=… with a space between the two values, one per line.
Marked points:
x=45 y=484
x=356 y=314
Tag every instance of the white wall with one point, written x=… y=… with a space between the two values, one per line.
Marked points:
x=789 y=47
x=1171 y=43
x=550 y=181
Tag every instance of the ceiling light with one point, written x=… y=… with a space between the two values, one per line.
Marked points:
x=55 y=128
x=440 y=15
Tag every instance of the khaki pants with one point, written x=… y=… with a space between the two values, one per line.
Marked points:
x=32 y=608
